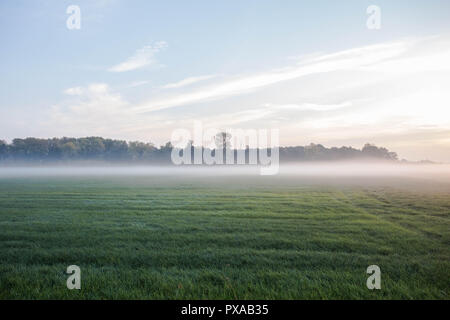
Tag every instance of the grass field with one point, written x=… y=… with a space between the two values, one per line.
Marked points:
x=167 y=237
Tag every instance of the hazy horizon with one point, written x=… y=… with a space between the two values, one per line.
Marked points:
x=426 y=158
x=312 y=168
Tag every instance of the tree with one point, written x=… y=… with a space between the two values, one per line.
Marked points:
x=3 y=149
x=222 y=141
x=30 y=148
x=116 y=149
x=119 y=150
x=69 y=150
x=140 y=150
x=92 y=147
x=372 y=151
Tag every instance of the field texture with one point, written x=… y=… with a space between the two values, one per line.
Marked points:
x=221 y=238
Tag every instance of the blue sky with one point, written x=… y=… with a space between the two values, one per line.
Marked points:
x=140 y=69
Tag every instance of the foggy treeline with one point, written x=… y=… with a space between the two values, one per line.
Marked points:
x=97 y=148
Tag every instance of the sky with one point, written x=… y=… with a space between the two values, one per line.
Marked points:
x=138 y=70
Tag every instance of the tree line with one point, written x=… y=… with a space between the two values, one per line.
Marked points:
x=97 y=148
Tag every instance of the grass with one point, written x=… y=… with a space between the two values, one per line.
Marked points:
x=165 y=237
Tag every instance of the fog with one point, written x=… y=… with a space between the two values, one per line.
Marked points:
x=433 y=178
x=314 y=169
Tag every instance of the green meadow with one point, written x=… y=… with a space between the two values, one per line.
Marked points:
x=211 y=237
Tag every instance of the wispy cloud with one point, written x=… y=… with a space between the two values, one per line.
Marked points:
x=135 y=84
x=142 y=58
x=267 y=112
x=93 y=100
x=97 y=109
x=353 y=59
x=310 y=106
x=75 y=91
x=187 y=82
